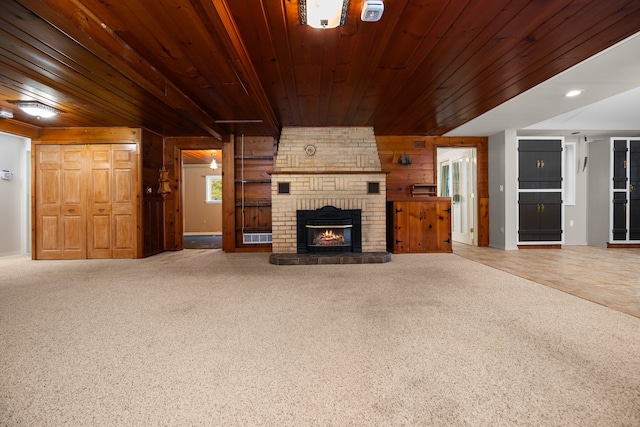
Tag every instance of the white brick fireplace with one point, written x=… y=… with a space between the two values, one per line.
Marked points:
x=318 y=167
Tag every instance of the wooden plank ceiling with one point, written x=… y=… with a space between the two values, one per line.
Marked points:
x=217 y=67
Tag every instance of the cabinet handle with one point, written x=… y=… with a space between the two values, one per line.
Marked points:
x=541 y=164
x=101 y=210
x=542 y=207
x=398 y=210
x=538 y=207
x=71 y=210
x=399 y=241
x=538 y=164
x=631 y=188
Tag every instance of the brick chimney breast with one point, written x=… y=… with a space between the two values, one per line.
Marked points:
x=328 y=167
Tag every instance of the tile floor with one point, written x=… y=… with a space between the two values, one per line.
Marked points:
x=610 y=277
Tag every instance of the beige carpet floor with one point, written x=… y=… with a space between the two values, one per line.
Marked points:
x=205 y=338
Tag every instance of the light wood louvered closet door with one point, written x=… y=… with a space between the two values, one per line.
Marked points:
x=102 y=183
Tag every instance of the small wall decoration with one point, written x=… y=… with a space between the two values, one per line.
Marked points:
x=310 y=149
x=405 y=159
x=164 y=187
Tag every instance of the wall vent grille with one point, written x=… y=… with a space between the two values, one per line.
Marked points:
x=256 y=238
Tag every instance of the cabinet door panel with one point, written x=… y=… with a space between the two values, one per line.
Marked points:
x=619 y=215
x=540 y=217
x=550 y=221
x=443 y=213
x=528 y=169
x=401 y=227
x=634 y=190
x=48 y=227
x=100 y=236
x=418 y=235
x=620 y=164
x=529 y=217
x=540 y=164
x=60 y=202
x=123 y=233
x=74 y=206
x=420 y=226
x=125 y=201
x=73 y=237
x=99 y=222
x=48 y=205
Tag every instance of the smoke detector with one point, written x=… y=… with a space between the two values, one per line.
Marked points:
x=372 y=10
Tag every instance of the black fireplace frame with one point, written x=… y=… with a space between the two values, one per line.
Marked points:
x=329 y=215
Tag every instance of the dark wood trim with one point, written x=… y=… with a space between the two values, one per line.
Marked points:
x=228 y=197
x=623 y=245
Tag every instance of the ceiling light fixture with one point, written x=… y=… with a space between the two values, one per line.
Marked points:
x=323 y=13
x=214 y=164
x=36 y=109
x=573 y=93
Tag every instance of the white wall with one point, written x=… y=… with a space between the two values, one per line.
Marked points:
x=15 y=214
x=503 y=190
x=575 y=216
x=599 y=197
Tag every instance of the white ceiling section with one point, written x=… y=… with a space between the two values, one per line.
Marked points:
x=608 y=106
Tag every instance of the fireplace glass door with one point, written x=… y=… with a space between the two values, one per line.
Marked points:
x=333 y=236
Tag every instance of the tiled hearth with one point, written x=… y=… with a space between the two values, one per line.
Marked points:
x=318 y=167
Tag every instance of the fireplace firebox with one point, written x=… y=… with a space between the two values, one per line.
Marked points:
x=329 y=229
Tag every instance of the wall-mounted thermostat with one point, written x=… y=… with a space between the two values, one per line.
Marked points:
x=6 y=174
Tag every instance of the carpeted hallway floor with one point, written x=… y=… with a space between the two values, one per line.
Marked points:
x=208 y=338
x=208 y=241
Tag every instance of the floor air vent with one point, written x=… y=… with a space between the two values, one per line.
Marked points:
x=256 y=238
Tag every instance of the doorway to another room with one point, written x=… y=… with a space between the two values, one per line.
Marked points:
x=457 y=179
x=202 y=199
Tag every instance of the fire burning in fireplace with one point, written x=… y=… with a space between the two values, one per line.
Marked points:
x=328 y=237
x=329 y=229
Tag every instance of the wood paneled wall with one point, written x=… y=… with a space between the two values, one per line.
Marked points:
x=247 y=167
x=253 y=162
x=152 y=203
x=423 y=169
x=248 y=164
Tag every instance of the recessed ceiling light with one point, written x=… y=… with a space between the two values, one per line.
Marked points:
x=573 y=93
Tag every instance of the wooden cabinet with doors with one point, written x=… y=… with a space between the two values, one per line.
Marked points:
x=625 y=191
x=86 y=201
x=419 y=225
x=540 y=217
x=540 y=191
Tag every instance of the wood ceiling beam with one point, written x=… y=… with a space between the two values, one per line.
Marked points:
x=225 y=29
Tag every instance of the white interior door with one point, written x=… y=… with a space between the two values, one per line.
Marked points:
x=457 y=172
